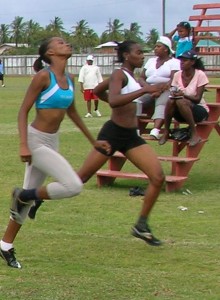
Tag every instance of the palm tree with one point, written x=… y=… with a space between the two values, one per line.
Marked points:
x=81 y=28
x=4 y=33
x=133 y=33
x=80 y=35
x=114 y=31
x=32 y=30
x=56 y=26
x=92 y=39
x=152 y=37
x=18 y=28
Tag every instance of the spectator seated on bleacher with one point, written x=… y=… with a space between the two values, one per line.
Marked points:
x=186 y=102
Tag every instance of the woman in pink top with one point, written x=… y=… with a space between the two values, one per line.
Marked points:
x=186 y=103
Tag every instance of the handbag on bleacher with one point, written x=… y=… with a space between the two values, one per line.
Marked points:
x=180 y=134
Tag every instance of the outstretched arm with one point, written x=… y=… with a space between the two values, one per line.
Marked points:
x=39 y=82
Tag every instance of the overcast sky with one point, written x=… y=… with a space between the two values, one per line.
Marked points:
x=147 y=13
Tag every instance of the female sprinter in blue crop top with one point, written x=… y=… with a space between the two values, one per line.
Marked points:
x=53 y=94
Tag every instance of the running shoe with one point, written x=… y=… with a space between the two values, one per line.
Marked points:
x=145 y=235
x=17 y=205
x=34 y=208
x=9 y=257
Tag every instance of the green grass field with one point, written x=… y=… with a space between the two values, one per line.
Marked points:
x=81 y=249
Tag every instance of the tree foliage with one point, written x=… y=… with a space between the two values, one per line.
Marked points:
x=133 y=33
x=82 y=38
x=152 y=37
x=4 y=33
x=18 y=30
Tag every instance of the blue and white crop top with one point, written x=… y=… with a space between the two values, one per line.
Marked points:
x=131 y=86
x=54 y=96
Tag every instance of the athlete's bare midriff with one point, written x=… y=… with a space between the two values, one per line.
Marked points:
x=48 y=120
x=125 y=116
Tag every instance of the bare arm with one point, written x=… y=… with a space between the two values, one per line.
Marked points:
x=117 y=81
x=169 y=35
x=101 y=90
x=195 y=99
x=168 y=84
x=143 y=78
x=38 y=83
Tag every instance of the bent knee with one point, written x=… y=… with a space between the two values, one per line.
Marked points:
x=73 y=188
x=158 y=179
x=183 y=102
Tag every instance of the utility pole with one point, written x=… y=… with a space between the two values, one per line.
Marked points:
x=163 y=17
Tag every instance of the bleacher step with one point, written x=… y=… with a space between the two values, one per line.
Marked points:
x=107 y=177
x=120 y=174
x=177 y=159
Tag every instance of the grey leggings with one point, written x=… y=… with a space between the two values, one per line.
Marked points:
x=46 y=161
x=159 y=104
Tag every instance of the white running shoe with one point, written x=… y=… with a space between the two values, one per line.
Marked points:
x=97 y=113
x=155 y=133
x=88 y=115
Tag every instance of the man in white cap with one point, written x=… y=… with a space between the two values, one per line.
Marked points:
x=89 y=77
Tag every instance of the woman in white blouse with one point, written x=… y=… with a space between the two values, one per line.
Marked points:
x=159 y=69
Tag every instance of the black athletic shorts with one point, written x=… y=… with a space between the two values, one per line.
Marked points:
x=120 y=138
x=199 y=114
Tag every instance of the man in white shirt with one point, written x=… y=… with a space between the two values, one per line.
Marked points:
x=89 y=77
